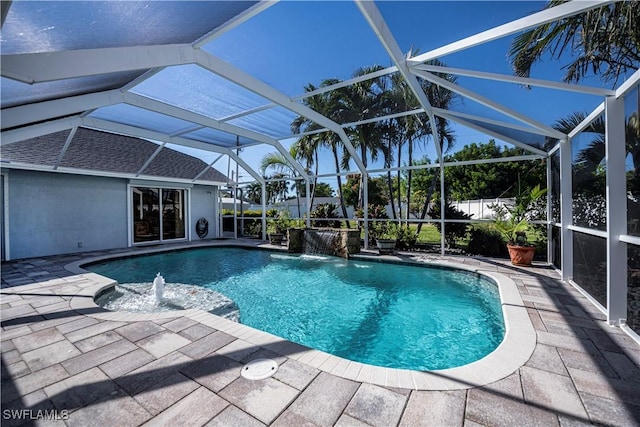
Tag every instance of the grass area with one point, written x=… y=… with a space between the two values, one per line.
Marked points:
x=428 y=234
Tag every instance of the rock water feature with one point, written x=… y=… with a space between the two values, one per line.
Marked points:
x=324 y=241
x=321 y=242
x=159 y=296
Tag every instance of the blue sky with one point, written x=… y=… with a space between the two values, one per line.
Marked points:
x=298 y=42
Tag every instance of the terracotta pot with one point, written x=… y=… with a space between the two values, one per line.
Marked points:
x=521 y=255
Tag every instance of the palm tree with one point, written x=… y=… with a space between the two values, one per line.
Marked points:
x=604 y=41
x=253 y=192
x=365 y=100
x=284 y=169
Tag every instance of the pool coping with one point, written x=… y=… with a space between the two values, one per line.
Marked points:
x=512 y=353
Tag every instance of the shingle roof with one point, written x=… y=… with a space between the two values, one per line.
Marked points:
x=108 y=152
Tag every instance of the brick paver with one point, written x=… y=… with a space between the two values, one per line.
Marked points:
x=178 y=371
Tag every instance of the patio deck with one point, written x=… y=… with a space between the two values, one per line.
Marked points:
x=66 y=362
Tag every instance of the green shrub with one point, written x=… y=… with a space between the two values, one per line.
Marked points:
x=487 y=241
x=325 y=210
x=407 y=238
x=452 y=230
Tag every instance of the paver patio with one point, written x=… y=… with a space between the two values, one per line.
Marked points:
x=180 y=371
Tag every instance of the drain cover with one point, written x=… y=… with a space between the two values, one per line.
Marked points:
x=259 y=369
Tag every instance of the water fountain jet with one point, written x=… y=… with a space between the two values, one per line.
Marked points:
x=158 y=288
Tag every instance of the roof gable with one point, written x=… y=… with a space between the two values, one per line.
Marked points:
x=93 y=150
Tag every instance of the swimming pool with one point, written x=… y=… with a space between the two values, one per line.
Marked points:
x=381 y=314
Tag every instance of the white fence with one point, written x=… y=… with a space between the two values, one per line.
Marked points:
x=480 y=209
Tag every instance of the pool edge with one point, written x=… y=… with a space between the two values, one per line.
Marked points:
x=512 y=353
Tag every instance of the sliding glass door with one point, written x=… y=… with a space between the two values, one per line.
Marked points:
x=158 y=214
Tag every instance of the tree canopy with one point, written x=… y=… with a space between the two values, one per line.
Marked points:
x=604 y=41
x=491 y=180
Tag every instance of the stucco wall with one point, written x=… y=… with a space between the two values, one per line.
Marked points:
x=54 y=213
x=203 y=205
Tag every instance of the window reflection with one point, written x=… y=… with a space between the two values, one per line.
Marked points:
x=633 y=288
x=588 y=171
x=632 y=132
x=590 y=265
x=148 y=222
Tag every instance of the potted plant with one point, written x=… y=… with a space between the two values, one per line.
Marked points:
x=513 y=222
x=277 y=227
x=386 y=234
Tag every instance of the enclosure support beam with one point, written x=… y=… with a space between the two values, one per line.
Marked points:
x=549 y=214
x=566 y=210
x=264 y=210
x=443 y=205
x=308 y=209
x=616 y=211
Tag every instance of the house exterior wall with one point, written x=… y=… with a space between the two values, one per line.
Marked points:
x=57 y=213
x=54 y=213
x=204 y=205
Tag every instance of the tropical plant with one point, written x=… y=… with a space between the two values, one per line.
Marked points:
x=416 y=128
x=283 y=169
x=364 y=100
x=406 y=237
x=322 y=214
x=279 y=223
x=328 y=104
x=513 y=221
x=253 y=192
x=377 y=193
x=384 y=230
x=603 y=40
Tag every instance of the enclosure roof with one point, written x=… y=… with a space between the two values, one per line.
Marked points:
x=223 y=75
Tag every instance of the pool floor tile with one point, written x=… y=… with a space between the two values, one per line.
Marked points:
x=197 y=408
x=195 y=332
x=139 y=330
x=80 y=390
x=296 y=374
x=552 y=391
x=116 y=408
x=494 y=409
x=377 y=406
x=214 y=371
x=50 y=355
x=263 y=399
x=232 y=416
x=433 y=408
x=165 y=393
x=98 y=356
x=126 y=363
x=207 y=345
x=324 y=400
x=37 y=340
x=162 y=343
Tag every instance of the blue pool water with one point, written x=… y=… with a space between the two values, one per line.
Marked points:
x=383 y=314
